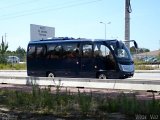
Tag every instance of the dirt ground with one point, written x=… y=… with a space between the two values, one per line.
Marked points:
x=146 y=95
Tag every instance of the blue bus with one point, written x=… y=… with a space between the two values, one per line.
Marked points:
x=69 y=57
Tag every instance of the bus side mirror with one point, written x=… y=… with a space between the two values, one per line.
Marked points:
x=135 y=44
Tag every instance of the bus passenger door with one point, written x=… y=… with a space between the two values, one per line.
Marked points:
x=71 y=60
x=87 y=61
x=54 y=59
x=104 y=60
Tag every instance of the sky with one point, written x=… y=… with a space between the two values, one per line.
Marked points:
x=80 y=19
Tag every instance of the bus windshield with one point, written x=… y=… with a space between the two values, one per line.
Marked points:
x=121 y=51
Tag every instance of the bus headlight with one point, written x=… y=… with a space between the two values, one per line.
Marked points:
x=126 y=68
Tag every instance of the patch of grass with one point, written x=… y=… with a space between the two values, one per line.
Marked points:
x=144 y=67
x=12 y=66
x=141 y=65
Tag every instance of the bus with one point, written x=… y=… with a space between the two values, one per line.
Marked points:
x=69 y=57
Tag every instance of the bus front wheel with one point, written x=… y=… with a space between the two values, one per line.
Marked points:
x=50 y=74
x=102 y=76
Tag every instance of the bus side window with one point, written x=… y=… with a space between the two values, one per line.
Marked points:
x=105 y=50
x=57 y=51
x=70 y=50
x=40 y=52
x=101 y=50
x=97 y=51
x=54 y=51
x=31 y=51
x=87 y=50
x=50 y=51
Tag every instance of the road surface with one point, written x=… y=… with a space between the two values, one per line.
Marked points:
x=138 y=75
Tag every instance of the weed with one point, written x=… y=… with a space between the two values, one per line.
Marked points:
x=85 y=102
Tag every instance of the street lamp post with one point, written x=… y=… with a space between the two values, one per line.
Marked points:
x=105 y=28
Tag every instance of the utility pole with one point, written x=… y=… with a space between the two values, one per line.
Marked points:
x=128 y=10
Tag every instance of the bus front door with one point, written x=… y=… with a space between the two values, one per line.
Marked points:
x=87 y=61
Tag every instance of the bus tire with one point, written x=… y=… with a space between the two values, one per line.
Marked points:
x=50 y=74
x=102 y=76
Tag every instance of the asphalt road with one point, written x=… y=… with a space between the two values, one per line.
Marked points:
x=138 y=75
x=150 y=75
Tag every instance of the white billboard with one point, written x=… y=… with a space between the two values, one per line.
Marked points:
x=39 y=32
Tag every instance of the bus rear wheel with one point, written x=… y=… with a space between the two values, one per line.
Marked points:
x=102 y=76
x=50 y=74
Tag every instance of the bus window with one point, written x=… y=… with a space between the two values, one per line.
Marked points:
x=105 y=51
x=54 y=51
x=50 y=51
x=121 y=52
x=40 y=52
x=70 y=50
x=31 y=51
x=104 y=57
x=87 y=50
x=97 y=51
x=57 y=51
x=101 y=50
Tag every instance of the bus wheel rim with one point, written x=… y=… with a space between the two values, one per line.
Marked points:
x=51 y=75
x=102 y=76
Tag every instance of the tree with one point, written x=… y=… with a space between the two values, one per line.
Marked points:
x=3 y=49
x=21 y=53
x=142 y=50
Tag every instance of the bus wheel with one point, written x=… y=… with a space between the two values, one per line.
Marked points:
x=51 y=75
x=102 y=76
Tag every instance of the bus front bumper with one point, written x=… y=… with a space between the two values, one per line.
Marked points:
x=126 y=70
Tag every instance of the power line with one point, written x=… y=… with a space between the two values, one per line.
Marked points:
x=19 y=4
x=30 y=12
x=35 y=9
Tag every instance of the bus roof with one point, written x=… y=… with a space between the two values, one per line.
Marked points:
x=66 y=39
